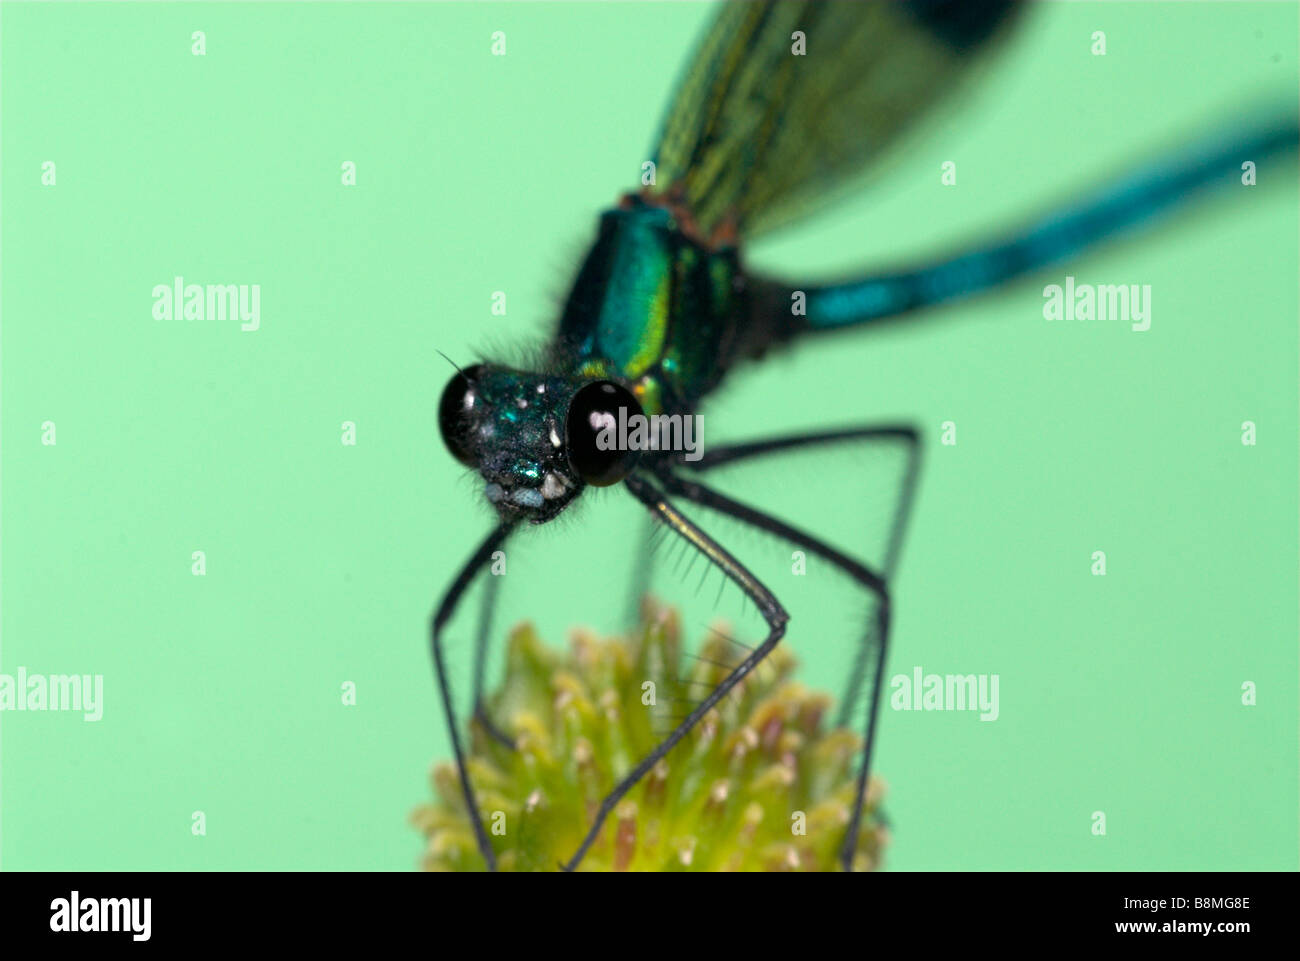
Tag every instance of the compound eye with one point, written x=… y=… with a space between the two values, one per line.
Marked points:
x=591 y=432
x=458 y=399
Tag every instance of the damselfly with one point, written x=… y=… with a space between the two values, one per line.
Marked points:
x=781 y=103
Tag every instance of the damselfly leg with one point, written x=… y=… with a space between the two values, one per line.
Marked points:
x=482 y=640
x=674 y=479
x=872 y=651
x=770 y=608
x=446 y=608
x=873 y=435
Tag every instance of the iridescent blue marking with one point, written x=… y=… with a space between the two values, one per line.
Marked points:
x=1138 y=199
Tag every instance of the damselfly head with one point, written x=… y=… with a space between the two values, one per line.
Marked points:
x=536 y=440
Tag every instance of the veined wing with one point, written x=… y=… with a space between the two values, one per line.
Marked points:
x=787 y=97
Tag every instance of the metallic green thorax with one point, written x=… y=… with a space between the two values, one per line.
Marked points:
x=654 y=309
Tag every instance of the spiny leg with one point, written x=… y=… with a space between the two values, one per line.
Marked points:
x=447 y=607
x=486 y=611
x=874 y=433
x=860 y=573
x=871 y=653
x=773 y=613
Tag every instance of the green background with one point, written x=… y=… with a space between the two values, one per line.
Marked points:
x=479 y=173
